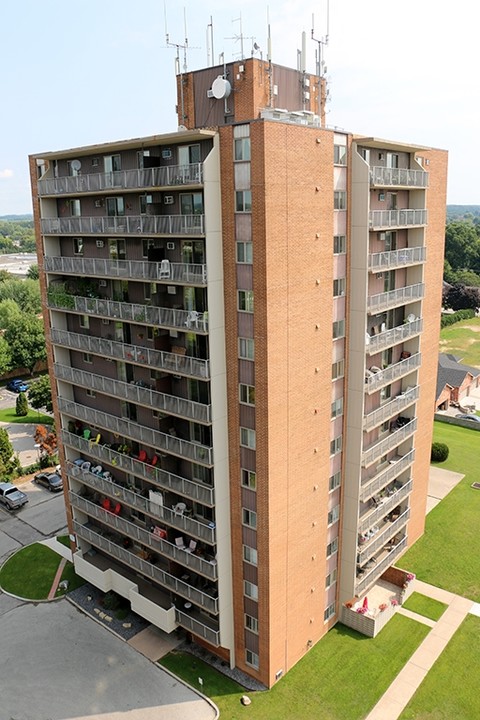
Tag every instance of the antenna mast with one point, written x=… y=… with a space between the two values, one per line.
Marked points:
x=322 y=43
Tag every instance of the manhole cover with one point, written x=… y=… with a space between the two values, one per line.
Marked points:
x=476 y=486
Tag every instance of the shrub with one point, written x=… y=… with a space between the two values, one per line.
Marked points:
x=439 y=452
x=112 y=601
x=455 y=317
x=21 y=405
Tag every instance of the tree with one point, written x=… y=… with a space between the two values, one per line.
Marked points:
x=26 y=340
x=9 y=310
x=47 y=439
x=462 y=297
x=40 y=394
x=26 y=294
x=33 y=273
x=8 y=462
x=5 y=356
x=462 y=246
x=21 y=405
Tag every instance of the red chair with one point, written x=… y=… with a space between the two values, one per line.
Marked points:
x=142 y=456
x=106 y=504
x=116 y=509
x=154 y=460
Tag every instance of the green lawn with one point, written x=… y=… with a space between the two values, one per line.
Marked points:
x=426 y=606
x=461 y=340
x=8 y=416
x=341 y=678
x=450 y=689
x=30 y=572
x=448 y=554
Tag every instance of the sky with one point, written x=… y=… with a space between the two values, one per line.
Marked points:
x=77 y=73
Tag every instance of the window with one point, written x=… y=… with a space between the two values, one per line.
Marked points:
x=385 y=392
x=251 y=659
x=191 y=203
x=188 y=154
x=249 y=479
x=338 y=369
x=140 y=155
x=78 y=246
x=339 y=286
x=250 y=590
x=244 y=252
x=329 y=612
x=392 y=160
x=87 y=358
x=249 y=555
x=338 y=329
x=112 y=163
x=251 y=623
x=247 y=438
x=75 y=208
x=246 y=348
x=385 y=426
x=334 y=481
x=247 y=394
x=336 y=445
x=201 y=473
x=339 y=200
x=245 y=300
x=243 y=201
x=115 y=206
x=337 y=408
x=332 y=547
x=333 y=515
x=144 y=201
x=340 y=154
x=91 y=393
x=146 y=245
x=73 y=168
x=339 y=244
x=84 y=321
x=249 y=518
x=331 y=579
x=242 y=148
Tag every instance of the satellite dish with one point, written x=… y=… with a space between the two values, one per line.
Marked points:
x=221 y=88
x=76 y=165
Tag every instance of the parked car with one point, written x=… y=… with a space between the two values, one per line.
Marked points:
x=11 y=496
x=52 y=481
x=472 y=418
x=17 y=385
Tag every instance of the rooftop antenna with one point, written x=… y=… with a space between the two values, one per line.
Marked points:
x=210 y=43
x=239 y=37
x=179 y=70
x=269 y=60
x=322 y=43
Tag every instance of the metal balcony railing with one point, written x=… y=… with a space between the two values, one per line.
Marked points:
x=185 y=320
x=372 y=517
x=129 y=392
x=201 y=454
x=392 y=441
x=197 y=628
x=394 y=336
x=369 y=549
x=136 y=354
x=401 y=177
x=156 y=177
x=393 y=470
x=160 y=272
x=146 y=568
x=131 y=530
x=366 y=580
x=380 y=219
x=377 y=262
x=164 y=480
x=394 y=372
x=387 y=411
x=400 y=296
x=125 y=225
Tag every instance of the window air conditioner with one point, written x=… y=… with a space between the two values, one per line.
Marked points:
x=168 y=199
x=94 y=162
x=170 y=246
x=98 y=203
x=382 y=236
x=379 y=276
x=166 y=154
x=105 y=321
x=103 y=283
x=100 y=243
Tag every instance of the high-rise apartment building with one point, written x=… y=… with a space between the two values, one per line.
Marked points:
x=242 y=324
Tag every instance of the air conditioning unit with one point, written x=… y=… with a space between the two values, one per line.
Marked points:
x=105 y=321
x=170 y=246
x=166 y=154
x=171 y=290
x=102 y=283
x=98 y=203
x=168 y=199
x=382 y=236
x=379 y=276
x=100 y=243
x=210 y=94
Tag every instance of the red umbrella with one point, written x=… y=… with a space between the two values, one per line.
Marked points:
x=365 y=603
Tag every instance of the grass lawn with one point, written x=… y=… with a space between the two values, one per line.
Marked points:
x=8 y=415
x=461 y=340
x=31 y=571
x=426 y=606
x=332 y=682
x=64 y=539
x=448 y=554
x=450 y=689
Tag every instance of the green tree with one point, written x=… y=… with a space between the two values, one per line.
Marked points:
x=462 y=246
x=9 y=310
x=21 y=405
x=26 y=340
x=33 y=273
x=5 y=356
x=7 y=461
x=26 y=294
x=40 y=394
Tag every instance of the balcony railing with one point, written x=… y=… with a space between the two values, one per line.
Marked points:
x=147 y=569
x=125 y=225
x=170 y=404
x=393 y=372
x=197 y=492
x=372 y=517
x=385 y=412
x=190 y=526
x=368 y=550
x=186 y=320
x=197 y=628
x=167 y=272
x=401 y=177
x=380 y=219
x=379 y=449
x=394 y=336
x=131 y=530
x=158 y=359
x=377 y=262
x=392 y=471
x=156 y=177
x=379 y=568
x=201 y=454
x=401 y=296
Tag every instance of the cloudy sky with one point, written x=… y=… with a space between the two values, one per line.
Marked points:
x=75 y=73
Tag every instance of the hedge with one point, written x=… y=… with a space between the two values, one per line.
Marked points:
x=455 y=317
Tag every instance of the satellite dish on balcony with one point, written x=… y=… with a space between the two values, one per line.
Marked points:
x=76 y=165
x=221 y=88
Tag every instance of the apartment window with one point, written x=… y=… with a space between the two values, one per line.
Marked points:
x=340 y=154
x=191 y=203
x=75 y=208
x=245 y=252
x=245 y=300
x=385 y=392
x=250 y=590
x=91 y=393
x=188 y=154
x=338 y=369
x=243 y=201
x=334 y=481
x=251 y=623
x=246 y=348
x=73 y=168
x=249 y=518
x=247 y=394
x=339 y=200
x=242 y=148
x=329 y=612
x=332 y=547
x=112 y=163
x=252 y=659
x=146 y=245
x=84 y=321
x=115 y=206
x=392 y=160
x=339 y=286
x=250 y=555
x=337 y=408
x=247 y=438
x=87 y=358
x=145 y=200
x=338 y=329
x=336 y=445
x=201 y=473
x=333 y=515
x=140 y=155
x=339 y=244
x=249 y=479
x=78 y=246
x=331 y=579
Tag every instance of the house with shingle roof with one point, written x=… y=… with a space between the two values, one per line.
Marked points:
x=454 y=381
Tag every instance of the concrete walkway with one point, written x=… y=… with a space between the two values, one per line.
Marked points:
x=402 y=689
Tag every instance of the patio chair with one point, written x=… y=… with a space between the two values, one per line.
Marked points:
x=142 y=456
x=180 y=543
x=179 y=508
x=192 y=546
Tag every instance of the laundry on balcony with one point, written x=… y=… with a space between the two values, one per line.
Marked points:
x=398 y=423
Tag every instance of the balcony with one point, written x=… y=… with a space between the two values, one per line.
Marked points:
x=133 y=531
x=394 y=298
x=190 y=526
x=201 y=454
x=379 y=449
x=159 y=272
x=133 y=393
x=169 y=318
x=136 y=354
x=394 y=336
x=375 y=380
x=378 y=262
x=368 y=550
x=387 y=411
x=163 y=578
x=397 y=177
x=388 y=560
x=385 y=506
x=125 y=225
x=381 y=479
x=197 y=492
x=198 y=627
x=156 y=177
x=385 y=219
